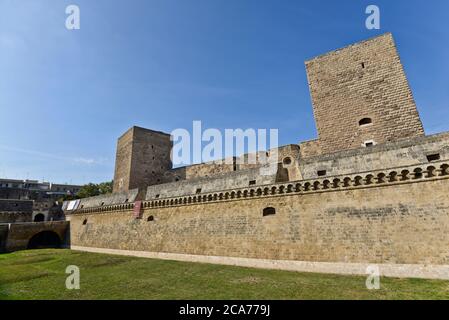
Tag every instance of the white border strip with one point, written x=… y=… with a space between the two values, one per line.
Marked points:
x=386 y=270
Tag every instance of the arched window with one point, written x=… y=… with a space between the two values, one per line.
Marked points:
x=365 y=121
x=84 y=222
x=269 y=211
x=150 y=218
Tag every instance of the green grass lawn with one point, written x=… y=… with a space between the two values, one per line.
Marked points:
x=40 y=274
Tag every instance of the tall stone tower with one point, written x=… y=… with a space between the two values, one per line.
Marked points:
x=361 y=97
x=143 y=156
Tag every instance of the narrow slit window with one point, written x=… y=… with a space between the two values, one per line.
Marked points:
x=252 y=182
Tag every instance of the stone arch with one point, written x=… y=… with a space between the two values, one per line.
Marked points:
x=232 y=194
x=316 y=185
x=259 y=191
x=273 y=190
x=393 y=176
x=404 y=175
x=346 y=182
x=266 y=191
x=245 y=193
x=281 y=189
x=298 y=187
x=44 y=239
x=326 y=184
x=40 y=217
x=307 y=186
x=358 y=181
x=289 y=188
x=417 y=173
x=336 y=183
x=381 y=178
x=369 y=179
x=431 y=172
x=444 y=169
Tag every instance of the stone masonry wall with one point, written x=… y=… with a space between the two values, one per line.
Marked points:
x=406 y=222
x=123 y=162
x=143 y=157
x=364 y=80
x=391 y=155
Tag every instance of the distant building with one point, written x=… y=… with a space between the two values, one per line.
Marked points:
x=43 y=197
x=31 y=189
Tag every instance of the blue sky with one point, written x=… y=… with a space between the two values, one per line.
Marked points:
x=65 y=96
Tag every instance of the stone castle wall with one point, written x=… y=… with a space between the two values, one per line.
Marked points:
x=381 y=218
x=406 y=152
x=15 y=210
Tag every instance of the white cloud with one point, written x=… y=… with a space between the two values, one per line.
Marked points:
x=79 y=160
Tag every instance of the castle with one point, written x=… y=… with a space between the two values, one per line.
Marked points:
x=372 y=188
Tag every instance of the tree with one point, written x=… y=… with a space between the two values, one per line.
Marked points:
x=105 y=187
x=93 y=189
x=88 y=190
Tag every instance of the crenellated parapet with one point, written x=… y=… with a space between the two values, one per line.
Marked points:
x=373 y=179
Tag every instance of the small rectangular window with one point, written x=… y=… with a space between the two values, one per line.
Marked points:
x=369 y=143
x=252 y=182
x=198 y=190
x=157 y=196
x=321 y=173
x=433 y=157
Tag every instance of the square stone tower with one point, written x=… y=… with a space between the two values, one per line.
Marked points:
x=361 y=96
x=142 y=159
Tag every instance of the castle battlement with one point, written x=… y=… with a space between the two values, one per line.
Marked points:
x=393 y=176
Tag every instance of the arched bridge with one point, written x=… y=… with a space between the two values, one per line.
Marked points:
x=33 y=235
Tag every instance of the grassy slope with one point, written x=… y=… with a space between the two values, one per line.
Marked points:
x=41 y=275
